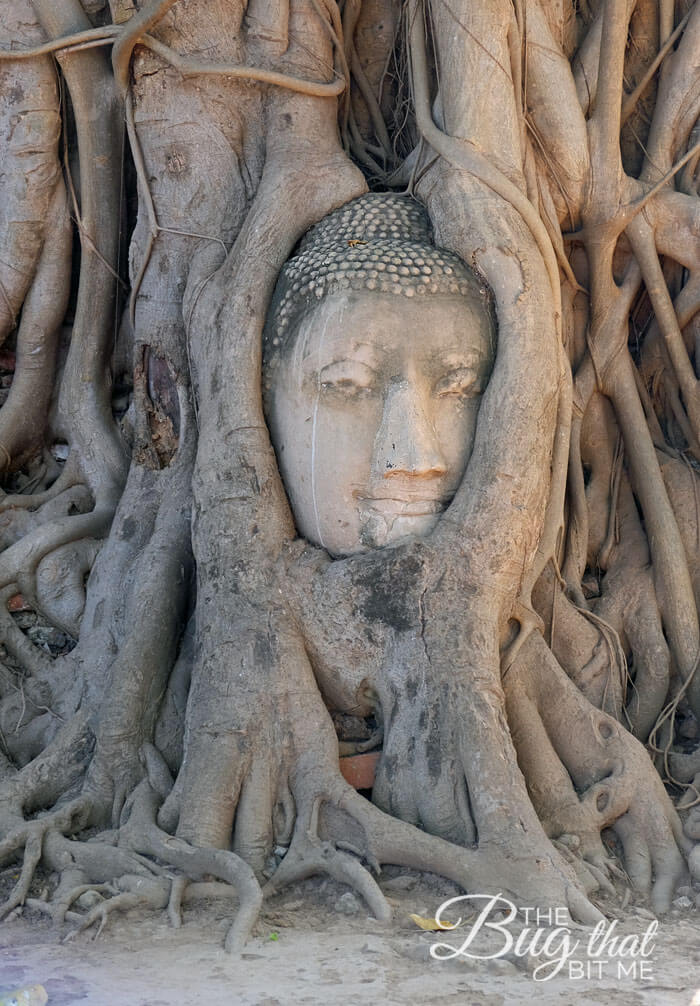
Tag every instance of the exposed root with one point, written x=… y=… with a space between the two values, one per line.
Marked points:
x=141 y=834
x=309 y=855
x=69 y=477
x=46 y=908
x=127 y=892
x=152 y=896
x=25 y=555
x=344 y=820
x=59 y=908
x=616 y=784
x=32 y=855
x=178 y=889
x=30 y=834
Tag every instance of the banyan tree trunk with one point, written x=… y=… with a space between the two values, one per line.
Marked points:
x=161 y=161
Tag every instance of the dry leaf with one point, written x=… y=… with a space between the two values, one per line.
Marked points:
x=431 y=925
x=33 y=995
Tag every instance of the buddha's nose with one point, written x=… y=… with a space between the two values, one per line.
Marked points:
x=406 y=443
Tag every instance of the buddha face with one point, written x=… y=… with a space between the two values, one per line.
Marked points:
x=372 y=409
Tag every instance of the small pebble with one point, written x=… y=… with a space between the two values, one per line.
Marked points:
x=271 y=865
x=501 y=966
x=404 y=883
x=526 y=963
x=419 y=951
x=34 y=995
x=373 y=945
x=347 y=904
x=682 y=902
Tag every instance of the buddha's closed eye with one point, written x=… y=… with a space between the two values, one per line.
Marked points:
x=348 y=378
x=462 y=382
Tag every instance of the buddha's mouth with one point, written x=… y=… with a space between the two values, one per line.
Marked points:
x=391 y=506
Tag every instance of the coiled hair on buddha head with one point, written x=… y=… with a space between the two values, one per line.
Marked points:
x=379 y=242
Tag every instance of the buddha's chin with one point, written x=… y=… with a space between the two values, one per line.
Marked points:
x=379 y=529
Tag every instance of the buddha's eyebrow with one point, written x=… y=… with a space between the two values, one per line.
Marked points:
x=473 y=356
x=333 y=352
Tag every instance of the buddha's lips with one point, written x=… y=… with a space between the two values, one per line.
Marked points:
x=392 y=506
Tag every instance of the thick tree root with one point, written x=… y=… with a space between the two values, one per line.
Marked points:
x=29 y=837
x=151 y=897
x=141 y=834
x=69 y=477
x=309 y=855
x=59 y=909
x=335 y=833
x=32 y=855
x=593 y=778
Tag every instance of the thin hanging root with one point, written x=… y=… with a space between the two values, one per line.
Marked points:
x=667 y=718
x=200 y=68
x=631 y=99
x=32 y=855
x=309 y=855
x=643 y=244
x=146 y=18
x=121 y=60
x=78 y=40
x=462 y=158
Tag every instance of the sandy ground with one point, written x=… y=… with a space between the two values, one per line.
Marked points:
x=316 y=945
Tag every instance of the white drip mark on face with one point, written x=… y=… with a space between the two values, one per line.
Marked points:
x=313 y=467
x=313 y=432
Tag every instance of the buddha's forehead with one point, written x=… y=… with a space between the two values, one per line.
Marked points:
x=364 y=323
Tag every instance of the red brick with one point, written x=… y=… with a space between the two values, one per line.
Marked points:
x=17 y=603
x=360 y=770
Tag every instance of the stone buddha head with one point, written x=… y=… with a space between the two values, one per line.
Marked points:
x=377 y=350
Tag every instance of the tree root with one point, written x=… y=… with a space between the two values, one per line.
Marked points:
x=309 y=855
x=29 y=835
x=69 y=477
x=141 y=834
x=339 y=833
x=25 y=555
x=150 y=897
x=32 y=855
x=59 y=909
x=177 y=893
x=612 y=782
